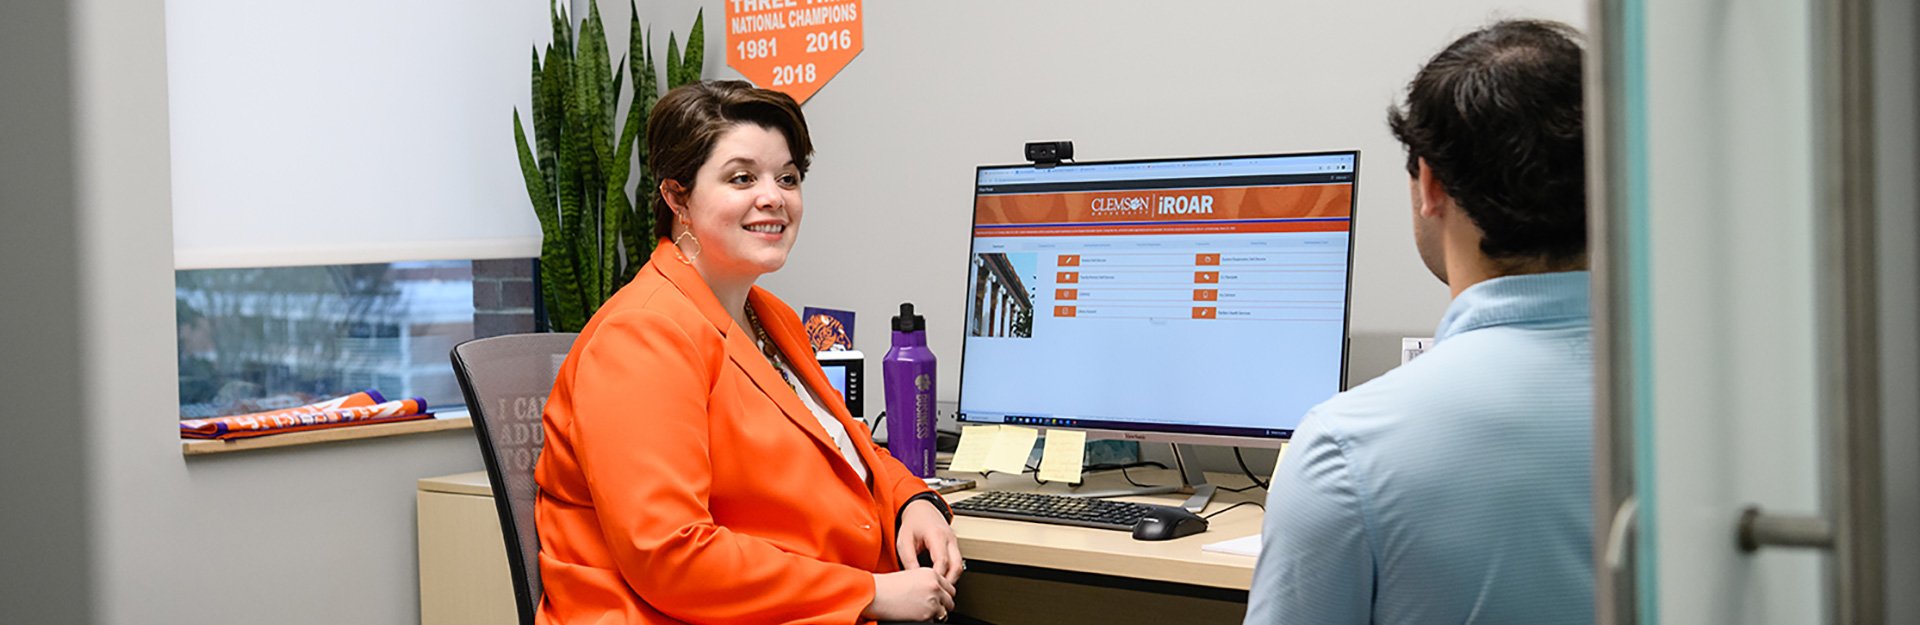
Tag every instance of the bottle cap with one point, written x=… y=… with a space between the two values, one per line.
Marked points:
x=906 y=321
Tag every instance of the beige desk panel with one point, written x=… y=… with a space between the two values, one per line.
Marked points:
x=463 y=561
x=474 y=483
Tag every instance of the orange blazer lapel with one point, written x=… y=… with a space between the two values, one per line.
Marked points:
x=747 y=356
x=742 y=350
x=785 y=330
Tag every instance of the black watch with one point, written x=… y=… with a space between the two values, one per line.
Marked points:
x=929 y=496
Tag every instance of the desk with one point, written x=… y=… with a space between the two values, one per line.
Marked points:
x=1023 y=572
x=1018 y=572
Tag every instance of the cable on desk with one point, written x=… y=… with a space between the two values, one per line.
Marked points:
x=1094 y=468
x=1123 y=473
x=1090 y=469
x=1243 y=503
x=1249 y=472
x=1128 y=465
x=1036 y=475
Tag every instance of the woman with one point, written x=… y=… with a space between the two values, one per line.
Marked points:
x=698 y=466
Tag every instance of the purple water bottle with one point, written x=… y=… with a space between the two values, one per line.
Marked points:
x=909 y=376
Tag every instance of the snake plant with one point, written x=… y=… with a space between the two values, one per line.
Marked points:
x=592 y=240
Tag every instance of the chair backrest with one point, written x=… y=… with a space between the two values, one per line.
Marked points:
x=506 y=380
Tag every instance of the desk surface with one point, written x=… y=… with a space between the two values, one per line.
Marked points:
x=1103 y=552
x=1108 y=552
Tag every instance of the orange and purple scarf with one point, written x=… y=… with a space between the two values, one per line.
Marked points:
x=357 y=409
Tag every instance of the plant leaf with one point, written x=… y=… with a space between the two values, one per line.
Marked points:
x=590 y=85
x=629 y=135
x=616 y=214
x=555 y=83
x=562 y=27
x=593 y=42
x=572 y=151
x=556 y=252
x=539 y=99
x=646 y=85
x=543 y=201
x=546 y=211
x=619 y=74
x=690 y=63
x=673 y=62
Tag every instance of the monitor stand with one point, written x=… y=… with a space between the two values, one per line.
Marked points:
x=1191 y=481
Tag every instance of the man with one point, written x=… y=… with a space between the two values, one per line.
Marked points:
x=1455 y=488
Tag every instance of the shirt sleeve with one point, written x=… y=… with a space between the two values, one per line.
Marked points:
x=641 y=434
x=1316 y=559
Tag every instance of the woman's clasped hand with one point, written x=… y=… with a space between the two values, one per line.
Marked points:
x=919 y=593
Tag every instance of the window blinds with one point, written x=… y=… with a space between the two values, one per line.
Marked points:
x=349 y=131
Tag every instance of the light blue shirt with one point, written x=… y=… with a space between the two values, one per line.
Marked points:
x=1454 y=489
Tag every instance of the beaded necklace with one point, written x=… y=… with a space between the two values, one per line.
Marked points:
x=768 y=348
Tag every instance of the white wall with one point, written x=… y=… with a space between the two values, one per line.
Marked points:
x=943 y=87
x=106 y=521
x=45 y=549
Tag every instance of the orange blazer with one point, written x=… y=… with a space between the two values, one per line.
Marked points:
x=683 y=480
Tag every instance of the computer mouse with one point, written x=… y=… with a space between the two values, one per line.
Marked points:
x=1167 y=523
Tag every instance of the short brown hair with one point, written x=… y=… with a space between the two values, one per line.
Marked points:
x=689 y=120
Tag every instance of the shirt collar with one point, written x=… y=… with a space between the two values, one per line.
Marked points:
x=1509 y=300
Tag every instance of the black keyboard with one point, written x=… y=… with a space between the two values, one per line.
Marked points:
x=1060 y=509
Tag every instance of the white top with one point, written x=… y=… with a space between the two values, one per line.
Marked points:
x=833 y=426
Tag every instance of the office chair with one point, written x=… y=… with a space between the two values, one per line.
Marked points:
x=506 y=380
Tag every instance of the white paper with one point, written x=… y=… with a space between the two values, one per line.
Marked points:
x=1411 y=348
x=1062 y=458
x=1243 y=546
x=976 y=441
x=1011 y=449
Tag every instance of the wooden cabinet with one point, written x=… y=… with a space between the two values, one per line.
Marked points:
x=463 y=561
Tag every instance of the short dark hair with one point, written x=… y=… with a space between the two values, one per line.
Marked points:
x=1498 y=118
x=689 y=120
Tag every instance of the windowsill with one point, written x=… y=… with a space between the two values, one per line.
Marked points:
x=450 y=420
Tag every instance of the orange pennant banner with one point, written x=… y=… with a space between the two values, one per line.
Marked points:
x=792 y=46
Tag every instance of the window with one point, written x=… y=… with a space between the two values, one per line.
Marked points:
x=267 y=338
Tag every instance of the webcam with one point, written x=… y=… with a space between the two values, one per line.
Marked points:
x=1045 y=154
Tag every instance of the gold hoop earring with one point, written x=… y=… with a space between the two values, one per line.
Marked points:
x=680 y=251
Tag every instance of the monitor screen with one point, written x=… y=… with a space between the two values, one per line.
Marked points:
x=1202 y=296
x=837 y=376
x=845 y=370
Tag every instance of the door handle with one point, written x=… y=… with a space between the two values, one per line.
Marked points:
x=1758 y=529
x=1849 y=523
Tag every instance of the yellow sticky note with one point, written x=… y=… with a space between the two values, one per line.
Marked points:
x=1065 y=452
x=1278 y=457
x=1010 y=450
x=975 y=442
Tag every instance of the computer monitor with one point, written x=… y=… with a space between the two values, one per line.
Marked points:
x=847 y=371
x=1191 y=300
